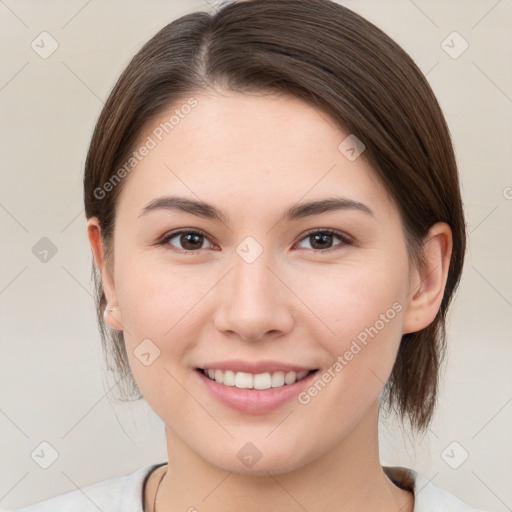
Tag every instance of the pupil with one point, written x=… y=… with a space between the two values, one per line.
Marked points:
x=323 y=237
x=185 y=240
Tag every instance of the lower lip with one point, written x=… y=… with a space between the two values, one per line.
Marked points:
x=254 y=401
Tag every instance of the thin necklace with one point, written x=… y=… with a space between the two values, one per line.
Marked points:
x=158 y=488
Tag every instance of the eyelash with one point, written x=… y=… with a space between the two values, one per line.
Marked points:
x=345 y=239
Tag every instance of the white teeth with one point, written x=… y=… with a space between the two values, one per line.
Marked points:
x=277 y=379
x=244 y=380
x=229 y=378
x=262 y=381
x=290 y=378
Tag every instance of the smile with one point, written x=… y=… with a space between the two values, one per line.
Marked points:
x=244 y=380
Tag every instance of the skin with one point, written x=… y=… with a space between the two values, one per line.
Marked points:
x=253 y=156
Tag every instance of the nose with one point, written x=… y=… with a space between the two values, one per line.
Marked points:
x=254 y=302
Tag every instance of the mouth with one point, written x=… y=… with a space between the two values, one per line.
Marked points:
x=255 y=393
x=258 y=381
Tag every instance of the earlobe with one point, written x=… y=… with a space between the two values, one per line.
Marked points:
x=111 y=314
x=427 y=284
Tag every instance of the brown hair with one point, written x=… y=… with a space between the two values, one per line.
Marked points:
x=332 y=58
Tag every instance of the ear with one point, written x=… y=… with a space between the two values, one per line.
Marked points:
x=112 y=318
x=428 y=283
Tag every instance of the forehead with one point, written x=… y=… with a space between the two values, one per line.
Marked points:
x=245 y=148
x=236 y=123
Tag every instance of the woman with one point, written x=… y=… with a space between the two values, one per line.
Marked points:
x=275 y=216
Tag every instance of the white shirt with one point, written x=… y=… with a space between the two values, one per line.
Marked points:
x=125 y=494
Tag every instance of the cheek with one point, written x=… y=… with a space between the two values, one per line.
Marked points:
x=352 y=299
x=361 y=308
x=158 y=299
x=163 y=314
x=161 y=327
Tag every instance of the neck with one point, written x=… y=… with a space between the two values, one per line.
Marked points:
x=349 y=475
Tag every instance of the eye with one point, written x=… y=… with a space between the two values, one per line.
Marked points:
x=322 y=239
x=190 y=240
x=193 y=240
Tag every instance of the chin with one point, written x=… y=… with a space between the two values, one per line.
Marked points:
x=251 y=461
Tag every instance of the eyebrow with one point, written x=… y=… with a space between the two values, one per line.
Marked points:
x=208 y=211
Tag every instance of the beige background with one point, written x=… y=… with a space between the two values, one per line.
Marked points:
x=52 y=382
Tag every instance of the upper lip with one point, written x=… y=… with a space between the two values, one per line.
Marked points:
x=255 y=367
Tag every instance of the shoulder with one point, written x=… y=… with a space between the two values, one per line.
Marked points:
x=427 y=496
x=121 y=493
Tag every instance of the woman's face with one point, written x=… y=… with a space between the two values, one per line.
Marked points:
x=252 y=285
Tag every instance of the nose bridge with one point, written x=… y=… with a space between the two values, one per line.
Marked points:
x=252 y=302
x=251 y=282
